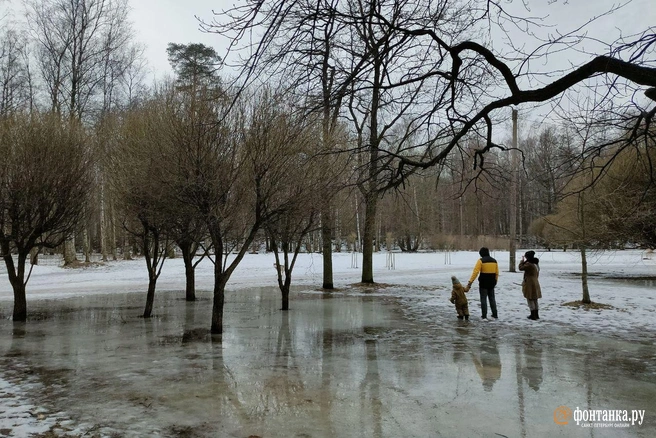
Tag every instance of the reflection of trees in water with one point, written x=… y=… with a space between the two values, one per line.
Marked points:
x=348 y=327
x=224 y=392
x=327 y=368
x=532 y=371
x=460 y=357
x=286 y=389
x=281 y=388
x=520 y=391
x=588 y=385
x=371 y=386
x=529 y=370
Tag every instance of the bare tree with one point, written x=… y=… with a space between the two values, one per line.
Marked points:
x=287 y=233
x=581 y=220
x=624 y=189
x=81 y=46
x=16 y=82
x=83 y=52
x=574 y=225
x=464 y=81
x=139 y=167
x=39 y=207
x=207 y=178
x=381 y=113
x=235 y=176
x=361 y=50
x=132 y=81
x=627 y=63
x=186 y=151
x=304 y=55
x=282 y=141
x=189 y=106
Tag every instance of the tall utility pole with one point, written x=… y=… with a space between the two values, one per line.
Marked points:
x=513 y=194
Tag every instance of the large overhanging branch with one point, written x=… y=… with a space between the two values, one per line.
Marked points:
x=638 y=74
x=630 y=70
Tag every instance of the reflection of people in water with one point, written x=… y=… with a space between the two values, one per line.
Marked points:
x=532 y=371
x=488 y=364
x=461 y=346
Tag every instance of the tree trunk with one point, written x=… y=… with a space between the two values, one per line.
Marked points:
x=150 y=296
x=190 y=272
x=513 y=196
x=102 y=238
x=584 y=259
x=70 y=256
x=326 y=239
x=17 y=280
x=20 y=302
x=358 y=241
x=285 y=295
x=337 y=233
x=584 y=276
x=113 y=235
x=371 y=201
x=126 y=248
x=190 y=287
x=415 y=243
x=462 y=220
x=87 y=245
x=219 y=300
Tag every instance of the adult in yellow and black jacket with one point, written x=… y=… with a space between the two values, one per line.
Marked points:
x=487 y=271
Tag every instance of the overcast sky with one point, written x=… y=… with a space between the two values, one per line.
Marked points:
x=159 y=22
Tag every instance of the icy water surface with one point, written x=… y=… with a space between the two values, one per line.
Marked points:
x=344 y=364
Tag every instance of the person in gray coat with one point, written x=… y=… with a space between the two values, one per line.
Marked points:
x=531 y=285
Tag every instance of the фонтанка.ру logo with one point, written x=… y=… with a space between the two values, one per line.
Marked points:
x=562 y=415
x=599 y=417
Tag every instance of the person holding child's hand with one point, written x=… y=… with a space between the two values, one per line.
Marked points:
x=487 y=272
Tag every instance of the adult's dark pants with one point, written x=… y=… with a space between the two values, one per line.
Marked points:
x=488 y=293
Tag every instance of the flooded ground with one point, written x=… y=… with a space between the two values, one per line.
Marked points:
x=347 y=364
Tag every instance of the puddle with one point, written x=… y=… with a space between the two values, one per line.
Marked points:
x=644 y=281
x=352 y=365
x=649 y=282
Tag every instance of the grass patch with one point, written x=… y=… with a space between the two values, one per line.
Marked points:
x=634 y=278
x=373 y=287
x=328 y=291
x=588 y=306
x=78 y=264
x=369 y=286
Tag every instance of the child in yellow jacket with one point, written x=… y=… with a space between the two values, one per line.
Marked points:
x=459 y=299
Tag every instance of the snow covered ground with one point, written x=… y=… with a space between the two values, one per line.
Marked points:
x=633 y=297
